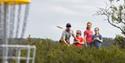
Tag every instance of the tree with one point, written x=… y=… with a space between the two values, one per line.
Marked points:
x=115 y=14
x=119 y=41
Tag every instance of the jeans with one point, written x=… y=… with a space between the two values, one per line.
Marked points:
x=97 y=44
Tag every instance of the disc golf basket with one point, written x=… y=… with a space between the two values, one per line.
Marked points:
x=13 y=21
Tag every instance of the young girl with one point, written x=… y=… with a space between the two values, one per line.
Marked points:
x=79 y=41
x=88 y=34
x=97 y=38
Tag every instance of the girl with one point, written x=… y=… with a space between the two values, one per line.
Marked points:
x=88 y=34
x=97 y=38
x=79 y=41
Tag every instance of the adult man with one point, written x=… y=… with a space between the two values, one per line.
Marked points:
x=66 y=35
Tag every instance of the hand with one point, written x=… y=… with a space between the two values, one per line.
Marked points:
x=68 y=45
x=81 y=42
x=96 y=39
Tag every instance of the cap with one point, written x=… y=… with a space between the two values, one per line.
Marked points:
x=68 y=25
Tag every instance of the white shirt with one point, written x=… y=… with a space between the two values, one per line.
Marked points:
x=66 y=35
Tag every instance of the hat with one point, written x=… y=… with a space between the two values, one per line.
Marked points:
x=68 y=25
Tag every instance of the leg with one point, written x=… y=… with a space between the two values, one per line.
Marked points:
x=97 y=44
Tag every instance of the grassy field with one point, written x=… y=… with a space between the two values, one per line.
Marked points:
x=49 y=51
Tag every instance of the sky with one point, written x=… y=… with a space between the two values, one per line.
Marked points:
x=45 y=15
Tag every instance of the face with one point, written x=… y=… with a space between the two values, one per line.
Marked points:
x=96 y=31
x=68 y=29
x=89 y=25
x=78 y=34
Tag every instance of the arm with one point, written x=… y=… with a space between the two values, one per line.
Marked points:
x=101 y=39
x=65 y=41
x=85 y=35
x=93 y=38
x=84 y=40
x=73 y=35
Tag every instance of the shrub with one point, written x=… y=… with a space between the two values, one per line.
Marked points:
x=49 y=51
x=120 y=41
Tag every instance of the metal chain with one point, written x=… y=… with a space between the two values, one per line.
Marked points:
x=1 y=23
x=6 y=23
x=18 y=22
x=5 y=31
x=25 y=20
x=2 y=17
x=12 y=22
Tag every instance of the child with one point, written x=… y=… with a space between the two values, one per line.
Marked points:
x=97 y=38
x=88 y=34
x=79 y=41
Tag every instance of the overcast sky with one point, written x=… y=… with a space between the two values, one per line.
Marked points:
x=45 y=15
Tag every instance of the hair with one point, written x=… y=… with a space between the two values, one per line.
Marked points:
x=79 y=31
x=89 y=23
x=97 y=28
x=87 y=27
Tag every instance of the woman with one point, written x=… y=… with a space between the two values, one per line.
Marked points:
x=88 y=34
x=97 y=38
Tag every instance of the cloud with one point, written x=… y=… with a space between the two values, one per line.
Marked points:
x=62 y=10
x=46 y=14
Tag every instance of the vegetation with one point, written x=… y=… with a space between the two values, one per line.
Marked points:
x=49 y=51
x=115 y=14
x=119 y=41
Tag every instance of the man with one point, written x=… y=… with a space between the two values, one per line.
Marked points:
x=66 y=35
